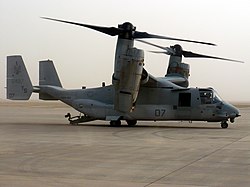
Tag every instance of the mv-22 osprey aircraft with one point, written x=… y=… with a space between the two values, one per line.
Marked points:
x=134 y=94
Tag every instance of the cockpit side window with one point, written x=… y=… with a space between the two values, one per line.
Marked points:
x=206 y=97
x=209 y=96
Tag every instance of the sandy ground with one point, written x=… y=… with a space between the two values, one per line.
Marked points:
x=39 y=148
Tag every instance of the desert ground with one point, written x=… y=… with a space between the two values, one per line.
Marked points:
x=38 y=147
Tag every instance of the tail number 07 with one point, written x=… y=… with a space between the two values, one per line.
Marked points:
x=159 y=112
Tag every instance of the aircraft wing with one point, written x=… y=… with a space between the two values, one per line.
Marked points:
x=175 y=79
x=164 y=82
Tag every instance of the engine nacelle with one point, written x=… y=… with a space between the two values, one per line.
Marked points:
x=127 y=79
x=177 y=67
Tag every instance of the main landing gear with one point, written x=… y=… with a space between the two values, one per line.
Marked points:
x=115 y=123
x=131 y=122
x=224 y=124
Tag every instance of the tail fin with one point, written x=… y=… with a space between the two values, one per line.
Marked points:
x=19 y=86
x=48 y=74
x=49 y=77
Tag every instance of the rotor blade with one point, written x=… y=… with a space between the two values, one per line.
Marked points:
x=147 y=35
x=189 y=54
x=168 y=50
x=112 y=31
x=160 y=52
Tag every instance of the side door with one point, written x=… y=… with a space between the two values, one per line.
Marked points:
x=184 y=106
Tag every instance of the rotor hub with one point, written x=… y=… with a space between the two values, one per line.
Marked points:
x=177 y=50
x=127 y=26
x=127 y=30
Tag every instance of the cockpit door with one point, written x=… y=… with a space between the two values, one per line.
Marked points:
x=208 y=103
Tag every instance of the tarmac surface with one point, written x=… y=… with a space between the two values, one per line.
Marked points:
x=38 y=147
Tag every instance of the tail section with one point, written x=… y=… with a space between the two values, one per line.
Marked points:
x=19 y=86
x=48 y=74
x=48 y=77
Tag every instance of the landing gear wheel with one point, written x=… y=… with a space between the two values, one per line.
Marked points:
x=116 y=123
x=224 y=124
x=131 y=122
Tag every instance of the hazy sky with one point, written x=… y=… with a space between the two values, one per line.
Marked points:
x=85 y=57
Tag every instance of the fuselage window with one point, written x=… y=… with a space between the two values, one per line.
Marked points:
x=184 y=100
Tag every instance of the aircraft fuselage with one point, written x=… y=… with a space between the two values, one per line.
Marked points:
x=157 y=104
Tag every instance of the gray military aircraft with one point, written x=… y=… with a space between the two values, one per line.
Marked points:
x=134 y=94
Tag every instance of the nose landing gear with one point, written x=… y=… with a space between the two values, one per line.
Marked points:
x=224 y=124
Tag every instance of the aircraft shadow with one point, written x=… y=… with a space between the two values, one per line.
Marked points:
x=149 y=126
x=121 y=126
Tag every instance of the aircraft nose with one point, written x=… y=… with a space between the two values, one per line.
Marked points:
x=232 y=112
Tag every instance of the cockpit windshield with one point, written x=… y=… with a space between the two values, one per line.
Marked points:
x=216 y=97
x=209 y=96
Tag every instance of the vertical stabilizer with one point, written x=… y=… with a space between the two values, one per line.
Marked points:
x=19 y=86
x=48 y=74
x=48 y=77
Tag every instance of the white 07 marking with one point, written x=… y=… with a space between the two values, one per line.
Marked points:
x=159 y=112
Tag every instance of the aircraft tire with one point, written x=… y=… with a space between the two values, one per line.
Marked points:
x=224 y=124
x=115 y=123
x=131 y=122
